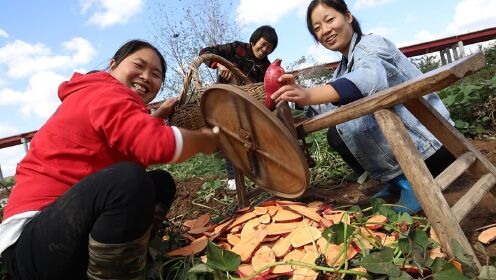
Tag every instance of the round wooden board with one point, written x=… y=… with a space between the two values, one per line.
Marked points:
x=255 y=141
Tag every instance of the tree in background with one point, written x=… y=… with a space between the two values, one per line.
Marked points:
x=180 y=33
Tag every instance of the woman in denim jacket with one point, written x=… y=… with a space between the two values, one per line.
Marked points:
x=369 y=65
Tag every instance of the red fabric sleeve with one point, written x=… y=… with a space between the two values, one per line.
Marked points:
x=121 y=118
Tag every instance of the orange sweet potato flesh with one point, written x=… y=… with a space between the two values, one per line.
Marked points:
x=243 y=218
x=199 y=222
x=249 y=228
x=295 y=255
x=260 y=210
x=282 y=228
x=305 y=211
x=376 y=222
x=285 y=216
x=487 y=235
x=262 y=257
x=245 y=248
x=304 y=235
x=265 y=219
x=195 y=247
x=282 y=245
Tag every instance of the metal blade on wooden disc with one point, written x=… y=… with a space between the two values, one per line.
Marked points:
x=255 y=141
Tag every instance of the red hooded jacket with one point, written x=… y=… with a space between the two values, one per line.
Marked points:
x=100 y=122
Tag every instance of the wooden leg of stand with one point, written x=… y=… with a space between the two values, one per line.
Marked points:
x=240 y=189
x=425 y=187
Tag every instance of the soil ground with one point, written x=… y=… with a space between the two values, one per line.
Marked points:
x=346 y=193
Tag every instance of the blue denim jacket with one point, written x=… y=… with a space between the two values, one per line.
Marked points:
x=374 y=64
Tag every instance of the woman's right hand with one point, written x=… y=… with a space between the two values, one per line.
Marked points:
x=224 y=72
x=211 y=141
x=291 y=91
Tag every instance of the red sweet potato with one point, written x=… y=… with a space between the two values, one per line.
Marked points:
x=270 y=82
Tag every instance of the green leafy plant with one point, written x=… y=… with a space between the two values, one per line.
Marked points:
x=472 y=107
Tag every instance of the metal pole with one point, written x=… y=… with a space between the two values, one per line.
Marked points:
x=24 y=141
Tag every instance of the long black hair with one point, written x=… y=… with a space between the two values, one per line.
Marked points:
x=133 y=46
x=338 y=5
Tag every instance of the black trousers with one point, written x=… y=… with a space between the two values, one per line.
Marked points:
x=115 y=205
x=436 y=163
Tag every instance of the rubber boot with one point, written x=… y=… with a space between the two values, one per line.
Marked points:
x=408 y=200
x=118 y=261
x=388 y=190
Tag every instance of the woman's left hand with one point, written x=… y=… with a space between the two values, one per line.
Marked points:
x=291 y=91
x=166 y=109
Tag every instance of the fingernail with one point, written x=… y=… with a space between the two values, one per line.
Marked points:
x=215 y=130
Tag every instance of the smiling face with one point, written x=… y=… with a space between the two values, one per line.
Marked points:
x=332 y=28
x=140 y=71
x=262 y=48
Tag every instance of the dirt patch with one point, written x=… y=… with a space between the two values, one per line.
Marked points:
x=348 y=193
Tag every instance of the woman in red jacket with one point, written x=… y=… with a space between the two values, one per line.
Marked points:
x=83 y=204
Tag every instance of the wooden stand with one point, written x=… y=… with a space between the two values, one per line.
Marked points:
x=445 y=220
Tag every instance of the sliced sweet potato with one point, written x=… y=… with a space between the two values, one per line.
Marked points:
x=325 y=223
x=310 y=257
x=288 y=202
x=282 y=245
x=233 y=239
x=225 y=245
x=243 y=210
x=235 y=229
x=245 y=248
x=303 y=236
x=337 y=217
x=265 y=219
x=305 y=211
x=433 y=235
x=198 y=222
x=286 y=216
x=243 y=218
x=316 y=205
x=259 y=211
x=333 y=251
x=199 y=230
x=195 y=247
x=305 y=273
x=272 y=210
x=249 y=228
x=376 y=222
x=281 y=228
x=436 y=253
x=487 y=235
x=295 y=255
x=245 y=270
x=262 y=257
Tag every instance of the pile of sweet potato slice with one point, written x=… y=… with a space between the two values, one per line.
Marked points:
x=281 y=231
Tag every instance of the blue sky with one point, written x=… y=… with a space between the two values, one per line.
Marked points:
x=43 y=42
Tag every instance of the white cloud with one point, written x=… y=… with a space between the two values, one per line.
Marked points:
x=39 y=98
x=383 y=31
x=267 y=12
x=472 y=15
x=3 y=33
x=322 y=55
x=24 y=59
x=110 y=12
x=420 y=37
x=9 y=157
x=363 y=4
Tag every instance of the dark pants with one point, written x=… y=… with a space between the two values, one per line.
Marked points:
x=436 y=163
x=115 y=205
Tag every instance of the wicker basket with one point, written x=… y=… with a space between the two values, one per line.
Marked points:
x=187 y=114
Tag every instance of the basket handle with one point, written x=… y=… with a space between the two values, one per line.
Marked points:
x=193 y=73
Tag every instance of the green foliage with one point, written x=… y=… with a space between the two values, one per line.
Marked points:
x=472 y=107
x=426 y=63
x=330 y=166
x=220 y=259
x=490 y=54
x=198 y=166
